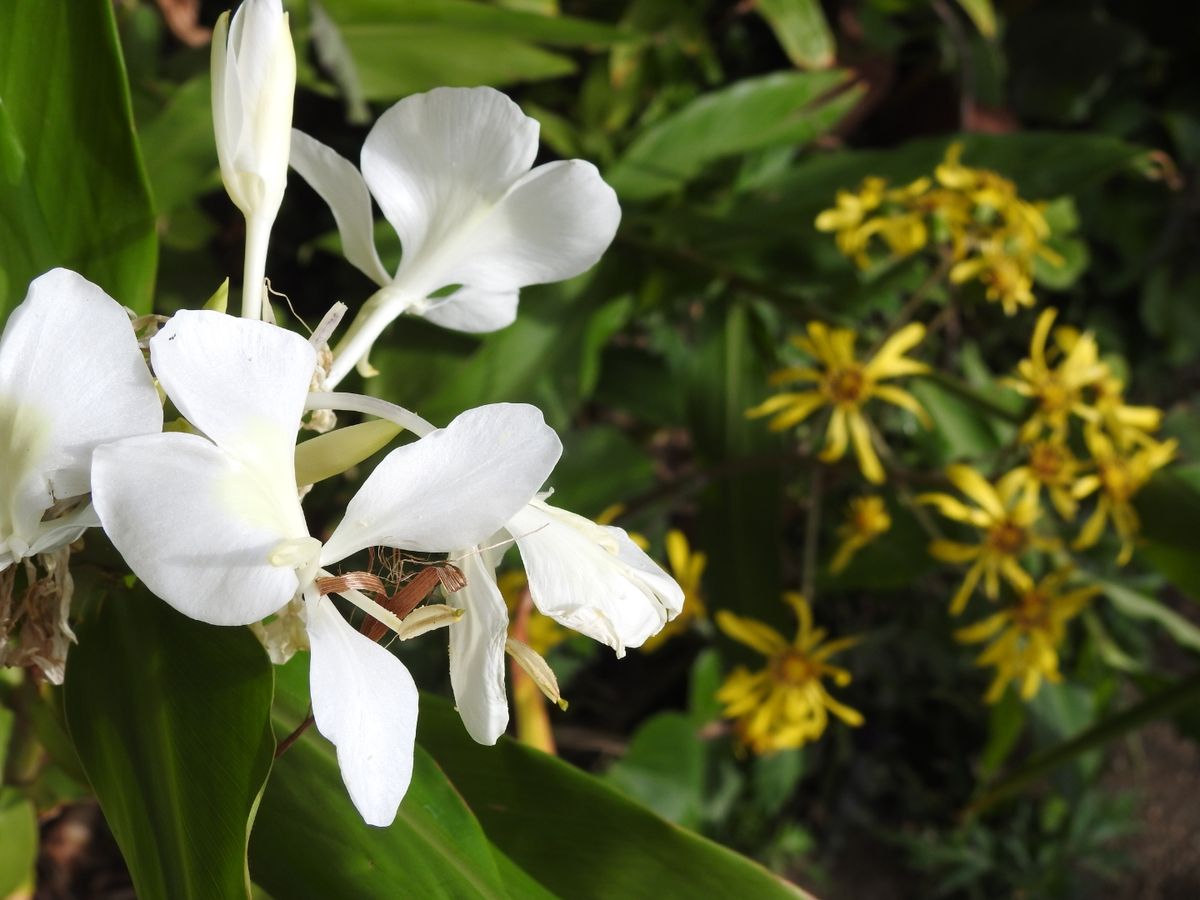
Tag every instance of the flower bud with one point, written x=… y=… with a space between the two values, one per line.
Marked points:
x=253 y=81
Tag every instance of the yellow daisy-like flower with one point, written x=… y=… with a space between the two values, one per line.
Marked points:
x=1006 y=278
x=1056 y=379
x=784 y=705
x=1005 y=515
x=845 y=384
x=1053 y=467
x=688 y=568
x=1118 y=478
x=1027 y=635
x=866 y=519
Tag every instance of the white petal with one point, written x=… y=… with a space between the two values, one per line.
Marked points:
x=553 y=224
x=341 y=186
x=435 y=160
x=472 y=310
x=242 y=382
x=197 y=526
x=452 y=488
x=71 y=378
x=477 y=662
x=593 y=579
x=365 y=702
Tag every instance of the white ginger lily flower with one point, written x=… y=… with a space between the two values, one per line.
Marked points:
x=253 y=83
x=591 y=578
x=211 y=522
x=451 y=172
x=71 y=378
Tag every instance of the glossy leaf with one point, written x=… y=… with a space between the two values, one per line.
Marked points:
x=310 y=841
x=73 y=191
x=170 y=719
x=453 y=42
x=575 y=836
x=788 y=108
x=1169 y=508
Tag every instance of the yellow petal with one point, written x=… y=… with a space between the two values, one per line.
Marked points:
x=868 y=461
x=977 y=488
x=756 y=635
x=835 y=437
x=904 y=400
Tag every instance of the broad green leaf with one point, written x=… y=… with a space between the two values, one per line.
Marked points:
x=802 y=30
x=577 y=837
x=1166 y=702
x=170 y=719
x=310 y=841
x=785 y=108
x=600 y=466
x=1137 y=605
x=663 y=768
x=962 y=428
x=18 y=843
x=451 y=42
x=73 y=191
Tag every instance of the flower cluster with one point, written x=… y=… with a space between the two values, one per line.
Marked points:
x=208 y=513
x=974 y=217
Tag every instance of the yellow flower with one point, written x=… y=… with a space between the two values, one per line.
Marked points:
x=1055 y=380
x=1117 y=480
x=1026 y=635
x=688 y=568
x=784 y=705
x=866 y=519
x=846 y=385
x=542 y=633
x=1005 y=515
x=876 y=211
x=1006 y=279
x=1054 y=467
x=1128 y=425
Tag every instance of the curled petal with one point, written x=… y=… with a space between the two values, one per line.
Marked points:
x=472 y=310
x=477 y=651
x=342 y=187
x=592 y=578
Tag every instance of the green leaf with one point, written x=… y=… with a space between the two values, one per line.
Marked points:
x=663 y=768
x=453 y=42
x=577 y=837
x=1137 y=605
x=1169 y=509
x=801 y=28
x=170 y=718
x=73 y=191
x=310 y=841
x=784 y=108
x=18 y=849
x=1160 y=704
x=962 y=428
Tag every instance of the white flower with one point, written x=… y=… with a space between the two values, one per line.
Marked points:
x=451 y=171
x=591 y=578
x=253 y=82
x=71 y=378
x=212 y=523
